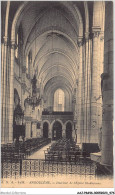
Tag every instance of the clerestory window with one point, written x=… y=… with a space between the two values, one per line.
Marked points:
x=59 y=100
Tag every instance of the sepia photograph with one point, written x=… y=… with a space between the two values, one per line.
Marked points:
x=57 y=94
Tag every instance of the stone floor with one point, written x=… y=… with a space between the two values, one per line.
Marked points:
x=40 y=154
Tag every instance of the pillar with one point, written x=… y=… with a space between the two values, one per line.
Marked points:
x=49 y=133
x=107 y=89
x=86 y=90
x=94 y=88
x=5 y=81
x=101 y=66
x=4 y=91
x=2 y=69
x=88 y=100
x=41 y=132
x=73 y=134
x=107 y=122
x=34 y=129
x=63 y=133
x=28 y=119
x=79 y=95
x=28 y=127
x=23 y=88
x=11 y=102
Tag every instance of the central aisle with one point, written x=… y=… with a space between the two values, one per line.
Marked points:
x=40 y=154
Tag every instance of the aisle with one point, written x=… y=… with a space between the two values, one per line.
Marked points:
x=40 y=153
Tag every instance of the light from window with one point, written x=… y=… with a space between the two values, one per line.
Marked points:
x=16 y=50
x=59 y=100
x=28 y=62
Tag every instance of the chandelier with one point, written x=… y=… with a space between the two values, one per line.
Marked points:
x=33 y=100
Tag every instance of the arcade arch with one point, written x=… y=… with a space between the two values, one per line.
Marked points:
x=56 y=131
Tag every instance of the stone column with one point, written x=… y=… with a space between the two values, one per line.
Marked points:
x=75 y=111
x=28 y=119
x=30 y=66
x=41 y=132
x=94 y=86
x=11 y=103
x=49 y=133
x=2 y=70
x=73 y=134
x=89 y=90
x=8 y=91
x=79 y=96
x=101 y=66
x=107 y=122
x=34 y=130
x=23 y=84
x=4 y=80
x=63 y=133
x=86 y=86
x=28 y=110
x=75 y=130
x=4 y=134
x=41 y=129
x=107 y=89
x=28 y=127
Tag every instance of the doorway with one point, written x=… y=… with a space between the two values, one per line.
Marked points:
x=69 y=130
x=57 y=131
x=45 y=130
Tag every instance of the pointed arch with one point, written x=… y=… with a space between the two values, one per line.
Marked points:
x=59 y=100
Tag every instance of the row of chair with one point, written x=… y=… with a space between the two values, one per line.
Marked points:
x=21 y=150
x=63 y=150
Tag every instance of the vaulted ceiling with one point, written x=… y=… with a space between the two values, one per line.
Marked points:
x=50 y=32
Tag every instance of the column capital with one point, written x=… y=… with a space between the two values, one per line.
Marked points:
x=96 y=31
x=80 y=41
x=28 y=119
x=34 y=121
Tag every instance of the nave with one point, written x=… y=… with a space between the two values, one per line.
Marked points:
x=56 y=88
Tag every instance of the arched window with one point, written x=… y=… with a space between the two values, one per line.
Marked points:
x=28 y=62
x=17 y=43
x=59 y=100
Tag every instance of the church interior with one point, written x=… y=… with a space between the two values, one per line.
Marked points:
x=57 y=87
